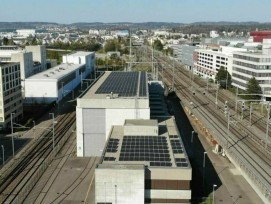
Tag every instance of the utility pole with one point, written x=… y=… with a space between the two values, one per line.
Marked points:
x=236 y=101
x=267 y=125
x=216 y=102
x=173 y=80
x=12 y=136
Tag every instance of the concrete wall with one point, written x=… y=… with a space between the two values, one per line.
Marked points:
x=26 y=63
x=39 y=54
x=40 y=91
x=112 y=117
x=172 y=194
x=120 y=186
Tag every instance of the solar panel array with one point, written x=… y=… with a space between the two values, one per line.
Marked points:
x=145 y=148
x=181 y=162
x=143 y=84
x=177 y=147
x=124 y=83
x=112 y=145
x=109 y=158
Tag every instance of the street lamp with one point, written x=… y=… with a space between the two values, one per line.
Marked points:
x=214 y=186
x=116 y=194
x=3 y=154
x=12 y=138
x=267 y=125
x=53 y=117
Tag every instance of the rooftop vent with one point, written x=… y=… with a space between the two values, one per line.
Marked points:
x=46 y=75
x=52 y=73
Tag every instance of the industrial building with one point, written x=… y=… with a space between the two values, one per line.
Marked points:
x=110 y=100
x=55 y=83
x=10 y=93
x=144 y=161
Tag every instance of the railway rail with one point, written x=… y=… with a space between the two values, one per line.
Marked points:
x=238 y=142
x=17 y=183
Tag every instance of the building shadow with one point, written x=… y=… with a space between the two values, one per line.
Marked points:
x=204 y=176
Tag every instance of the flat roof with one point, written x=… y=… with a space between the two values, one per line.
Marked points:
x=56 y=72
x=164 y=151
x=119 y=85
x=134 y=122
x=81 y=53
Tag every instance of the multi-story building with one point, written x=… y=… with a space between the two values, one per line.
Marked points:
x=10 y=93
x=207 y=62
x=253 y=64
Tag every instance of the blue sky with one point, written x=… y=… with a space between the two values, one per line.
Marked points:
x=183 y=11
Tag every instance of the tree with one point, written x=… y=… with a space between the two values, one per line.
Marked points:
x=5 y=41
x=223 y=77
x=158 y=45
x=111 y=45
x=253 y=87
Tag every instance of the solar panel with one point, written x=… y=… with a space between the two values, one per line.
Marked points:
x=143 y=85
x=112 y=145
x=109 y=158
x=176 y=146
x=181 y=162
x=145 y=148
x=122 y=83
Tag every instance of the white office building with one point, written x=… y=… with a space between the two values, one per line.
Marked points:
x=253 y=64
x=114 y=97
x=10 y=93
x=207 y=62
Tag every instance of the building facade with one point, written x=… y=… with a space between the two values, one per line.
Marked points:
x=253 y=64
x=10 y=93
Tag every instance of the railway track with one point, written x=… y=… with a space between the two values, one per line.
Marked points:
x=239 y=140
x=17 y=180
x=258 y=123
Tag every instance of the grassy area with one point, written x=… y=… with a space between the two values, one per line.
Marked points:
x=208 y=200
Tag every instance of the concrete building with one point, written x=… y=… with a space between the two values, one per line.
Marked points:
x=253 y=64
x=87 y=58
x=10 y=93
x=111 y=99
x=54 y=84
x=144 y=161
x=39 y=56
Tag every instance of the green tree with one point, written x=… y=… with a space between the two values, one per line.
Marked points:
x=253 y=87
x=158 y=45
x=111 y=45
x=223 y=77
x=5 y=41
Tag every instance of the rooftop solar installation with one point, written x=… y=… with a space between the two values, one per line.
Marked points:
x=176 y=146
x=145 y=148
x=124 y=84
x=112 y=145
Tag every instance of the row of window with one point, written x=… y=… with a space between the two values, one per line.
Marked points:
x=255 y=74
x=10 y=69
x=252 y=66
x=252 y=59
